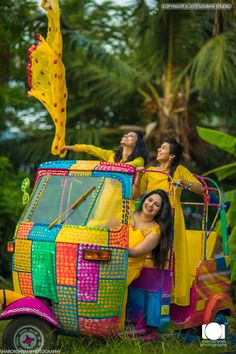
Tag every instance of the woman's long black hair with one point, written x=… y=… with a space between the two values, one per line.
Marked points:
x=138 y=151
x=164 y=219
x=177 y=150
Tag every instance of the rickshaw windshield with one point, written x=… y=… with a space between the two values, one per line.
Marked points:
x=54 y=196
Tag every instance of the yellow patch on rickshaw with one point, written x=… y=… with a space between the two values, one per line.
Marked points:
x=22 y=256
x=74 y=234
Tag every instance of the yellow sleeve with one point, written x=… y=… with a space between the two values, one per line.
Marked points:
x=183 y=173
x=155 y=230
x=139 y=161
x=102 y=154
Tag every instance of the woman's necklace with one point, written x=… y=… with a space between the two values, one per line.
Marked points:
x=140 y=225
x=164 y=168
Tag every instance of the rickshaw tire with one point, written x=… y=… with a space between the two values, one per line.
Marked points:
x=15 y=334
x=220 y=318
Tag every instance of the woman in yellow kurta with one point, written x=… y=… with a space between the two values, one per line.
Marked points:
x=168 y=156
x=150 y=231
x=132 y=150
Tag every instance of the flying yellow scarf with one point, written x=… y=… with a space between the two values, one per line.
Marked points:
x=46 y=74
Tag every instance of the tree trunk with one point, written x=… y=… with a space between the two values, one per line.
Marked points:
x=174 y=124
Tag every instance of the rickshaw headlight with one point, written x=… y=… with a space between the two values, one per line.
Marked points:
x=97 y=255
x=10 y=247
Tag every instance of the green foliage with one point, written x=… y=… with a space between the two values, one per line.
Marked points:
x=117 y=59
x=212 y=66
x=15 y=18
x=228 y=143
x=10 y=208
x=35 y=148
x=177 y=64
x=16 y=28
x=231 y=221
x=223 y=171
x=223 y=141
x=9 y=193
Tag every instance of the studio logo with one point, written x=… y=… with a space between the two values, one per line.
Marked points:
x=213 y=331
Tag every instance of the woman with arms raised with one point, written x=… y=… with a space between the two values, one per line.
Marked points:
x=132 y=150
x=168 y=157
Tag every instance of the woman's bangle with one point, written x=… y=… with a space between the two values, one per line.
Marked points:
x=190 y=185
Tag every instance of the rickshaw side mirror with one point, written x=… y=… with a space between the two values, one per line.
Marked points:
x=25 y=187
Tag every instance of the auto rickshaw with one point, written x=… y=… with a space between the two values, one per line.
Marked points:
x=70 y=256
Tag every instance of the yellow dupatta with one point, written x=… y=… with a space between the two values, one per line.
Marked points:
x=46 y=74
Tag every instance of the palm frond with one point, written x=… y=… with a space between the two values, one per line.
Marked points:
x=214 y=68
x=158 y=32
x=30 y=151
x=106 y=60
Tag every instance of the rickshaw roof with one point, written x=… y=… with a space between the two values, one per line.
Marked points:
x=88 y=165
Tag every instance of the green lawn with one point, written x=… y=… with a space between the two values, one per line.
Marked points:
x=170 y=344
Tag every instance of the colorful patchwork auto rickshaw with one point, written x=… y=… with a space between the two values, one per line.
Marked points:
x=70 y=261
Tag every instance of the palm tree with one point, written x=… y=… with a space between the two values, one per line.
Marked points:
x=172 y=59
x=88 y=120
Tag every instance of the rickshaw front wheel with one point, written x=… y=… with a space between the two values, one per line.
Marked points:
x=28 y=333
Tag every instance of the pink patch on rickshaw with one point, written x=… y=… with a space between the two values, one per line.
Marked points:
x=88 y=275
x=99 y=327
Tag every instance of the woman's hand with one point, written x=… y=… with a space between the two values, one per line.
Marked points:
x=191 y=186
x=139 y=173
x=140 y=169
x=65 y=148
x=180 y=183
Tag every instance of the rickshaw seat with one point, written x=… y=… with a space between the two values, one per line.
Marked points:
x=149 y=297
x=195 y=248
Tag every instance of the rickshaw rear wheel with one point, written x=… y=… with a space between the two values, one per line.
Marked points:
x=220 y=318
x=28 y=333
x=191 y=335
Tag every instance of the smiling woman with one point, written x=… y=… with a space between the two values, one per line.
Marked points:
x=168 y=156
x=150 y=232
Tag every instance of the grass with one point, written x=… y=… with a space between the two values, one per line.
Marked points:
x=171 y=343
x=134 y=346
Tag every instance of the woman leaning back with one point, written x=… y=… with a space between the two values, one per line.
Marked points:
x=131 y=151
x=168 y=157
x=150 y=231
